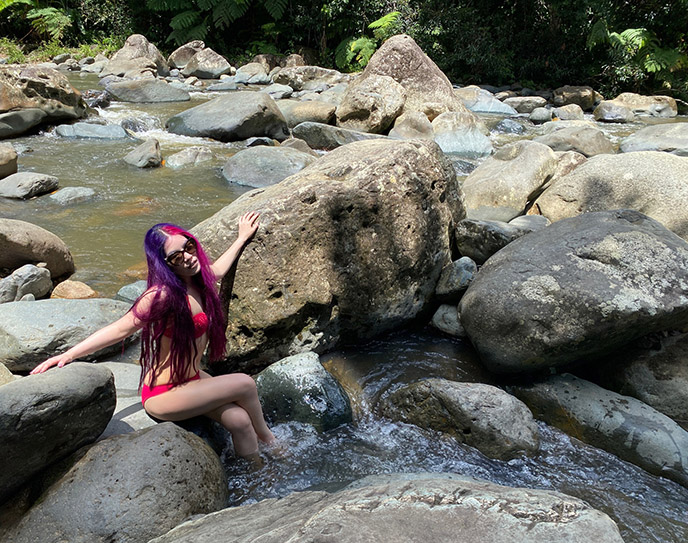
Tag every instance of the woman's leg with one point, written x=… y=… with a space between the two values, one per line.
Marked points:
x=236 y=420
x=207 y=394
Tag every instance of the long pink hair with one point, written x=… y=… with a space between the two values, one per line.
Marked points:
x=170 y=308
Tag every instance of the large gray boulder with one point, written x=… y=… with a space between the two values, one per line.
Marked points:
x=253 y=73
x=325 y=136
x=296 y=112
x=482 y=101
x=146 y=90
x=32 y=95
x=651 y=182
x=299 y=388
x=622 y=425
x=526 y=104
x=236 y=116
x=24 y=185
x=30 y=332
x=670 y=138
x=577 y=289
x=371 y=104
x=412 y=125
x=263 y=166
x=138 y=47
x=407 y=508
x=300 y=77
x=583 y=96
x=586 y=140
x=134 y=68
x=46 y=417
x=656 y=106
x=482 y=416
x=25 y=243
x=126 y=489
x=461 y=133
x=611 y=111
x=206 y=64
x=427 y=88
x=8 y=160
x=369 y=214
x=181 y=56
x=501 y=186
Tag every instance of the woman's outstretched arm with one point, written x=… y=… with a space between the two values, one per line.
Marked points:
x=109 y=335
x=248 y=225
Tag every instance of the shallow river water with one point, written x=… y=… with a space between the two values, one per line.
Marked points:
x=105 y=236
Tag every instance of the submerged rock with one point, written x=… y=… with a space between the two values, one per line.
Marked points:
x=90 y=130
x=576 y=290
x=46 y=417
x=369 y=214
x=618 y=424
x=73 y=195
x=479 y=415
x=408 y=508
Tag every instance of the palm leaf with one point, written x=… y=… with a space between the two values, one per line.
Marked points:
x=599 y=34
x=184 y=20
x=228 y=11
x=49 y=21
x=276 y=8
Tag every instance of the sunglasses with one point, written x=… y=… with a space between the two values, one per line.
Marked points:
x=176 y=258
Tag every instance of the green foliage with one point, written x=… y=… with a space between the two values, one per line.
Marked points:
x=386 y=26
x=353 y=54
x=50 y=22
x=46 y=51
x=11 y=51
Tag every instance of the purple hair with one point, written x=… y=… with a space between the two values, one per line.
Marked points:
x=170 y=308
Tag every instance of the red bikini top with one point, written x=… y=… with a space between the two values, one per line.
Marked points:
x=200 y=321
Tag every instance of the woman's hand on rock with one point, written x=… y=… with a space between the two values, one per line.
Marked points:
x=248 y=225
x=60 y=360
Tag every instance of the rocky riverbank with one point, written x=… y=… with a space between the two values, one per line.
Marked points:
x=553 y=255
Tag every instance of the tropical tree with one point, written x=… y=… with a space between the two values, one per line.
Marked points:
x=48 y=21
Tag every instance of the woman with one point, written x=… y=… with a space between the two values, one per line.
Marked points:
x=180 y=314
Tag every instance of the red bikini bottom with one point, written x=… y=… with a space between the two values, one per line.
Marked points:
x=149 y=392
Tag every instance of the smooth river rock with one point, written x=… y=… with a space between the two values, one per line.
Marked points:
x=296 y=112
x=146 y=90
x=482 y=101
x=587 y=140
x=325 y=136
x=499 y=188
x=233 y=117
x=30 y=332
x=622 y=425
x=669 y=138
x=28 y=279
x=264 y=166
x=46 y=417
x=651 y=182
x=576 y=290
x=407 y=508
x=298 y=388
x=126 y=489
x=482 y=416
x=461 y=133
x=371 y=104
x=350 y=246
x=25 y=243
x=24 y=185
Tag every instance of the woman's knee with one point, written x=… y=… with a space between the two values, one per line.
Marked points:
x=243 y=384
x=236 y=420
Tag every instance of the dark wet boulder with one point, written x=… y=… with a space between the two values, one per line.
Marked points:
x=396 y=507
x=25 y=243
x=455 y=279
x=621 y=425
x=127 y=488
x=46 y=417
x=356 y=243
x=482 y=416
x=14 y=123
x=576 y=290
x=651 y=182
x=32 y=332
x=233 y=117
x=298 y=388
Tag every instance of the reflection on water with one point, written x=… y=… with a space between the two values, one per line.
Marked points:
x=646 y=508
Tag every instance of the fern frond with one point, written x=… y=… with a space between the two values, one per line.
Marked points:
x=182 y=36
x=599 y=34
x=363 y=48
x=343 y=54
x=384 y=26
x=207 y=5
x=184 y=20
x=49 y=21
x=4 y=4
x=632 y=40
x=658 y=59
x=169 y=5
x=228 y=11
x=276 y=8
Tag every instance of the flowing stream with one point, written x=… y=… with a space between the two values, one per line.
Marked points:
x=105 y=236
